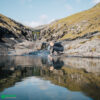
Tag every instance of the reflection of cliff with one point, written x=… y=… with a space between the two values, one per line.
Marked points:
x=71 y=78
x=75 y=80
x=76 y=74
x=90 y=65
x=9 y=77
x=20 y=61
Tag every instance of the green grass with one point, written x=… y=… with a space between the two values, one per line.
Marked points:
x=91 y=17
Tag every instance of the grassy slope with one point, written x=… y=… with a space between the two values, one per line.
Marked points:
x=10 y=24
x=91 y=16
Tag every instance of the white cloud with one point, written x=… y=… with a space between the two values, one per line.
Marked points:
x=51 y=20
x=96 y=1
x=32 y=23
x=68 y=7
x=78 y=1
x=43 y=19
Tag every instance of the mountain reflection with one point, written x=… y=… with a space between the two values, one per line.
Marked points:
x=76 y=74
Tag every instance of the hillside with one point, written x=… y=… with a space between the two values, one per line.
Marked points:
x=79 y=25
x=13 y=35
x=79 y=33
x=10 y=29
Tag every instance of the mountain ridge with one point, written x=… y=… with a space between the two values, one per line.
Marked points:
x=74 y=26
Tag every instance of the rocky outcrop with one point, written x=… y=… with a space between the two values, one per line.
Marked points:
x=83 y=48
x=10 y=29
x=12 y=33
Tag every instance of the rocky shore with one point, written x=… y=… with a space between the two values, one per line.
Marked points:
x=22 y=48
x=78 y=48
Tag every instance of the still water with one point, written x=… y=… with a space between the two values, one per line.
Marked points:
x=43 y=78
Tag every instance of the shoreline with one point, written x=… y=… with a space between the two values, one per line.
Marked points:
x=64 y=55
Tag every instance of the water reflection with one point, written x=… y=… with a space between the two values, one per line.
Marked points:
x=77 y=75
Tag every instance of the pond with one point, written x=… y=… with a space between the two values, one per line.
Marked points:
x=46 y=78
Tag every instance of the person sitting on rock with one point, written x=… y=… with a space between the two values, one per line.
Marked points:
x=55 y=48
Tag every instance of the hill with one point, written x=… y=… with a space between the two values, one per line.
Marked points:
x=79 y=25
x=79 y=33
x=12 y=34
x=11 y=29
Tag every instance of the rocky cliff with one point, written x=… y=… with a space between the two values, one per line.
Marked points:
x=12 y=33
x=80 y=33
x=11 y=29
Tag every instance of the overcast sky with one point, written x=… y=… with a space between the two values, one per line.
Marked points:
x=38 y=12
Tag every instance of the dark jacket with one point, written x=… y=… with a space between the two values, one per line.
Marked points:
x=57 y=47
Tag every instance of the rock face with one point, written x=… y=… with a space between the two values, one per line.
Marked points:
x=79 y=33
x=13 y=30
x=12 y=33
